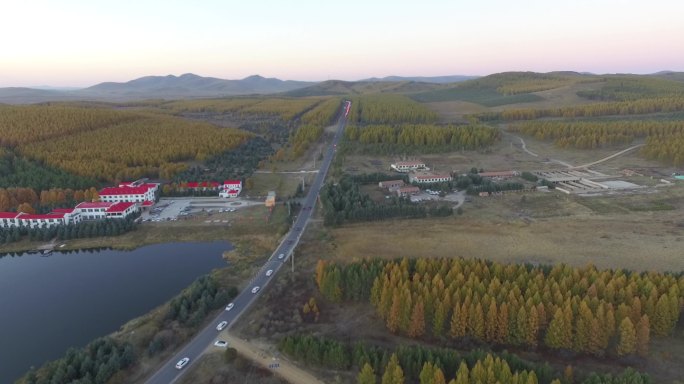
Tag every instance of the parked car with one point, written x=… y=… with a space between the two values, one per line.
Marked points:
x=269 y=272
x=281 y=256
x=220 y=343
x=230 y=306
x=221 y=326
x=182 y=362
x=255 y=289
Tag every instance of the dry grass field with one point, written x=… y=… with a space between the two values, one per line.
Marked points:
x=544 y=228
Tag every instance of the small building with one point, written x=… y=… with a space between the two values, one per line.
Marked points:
x=499 y=174
x=391 y=184
x=230 y=188
x=107 y=210
x=408 y=166
x=94 y=211
x=200 y=186
x=427 y=178
x=71 y=215
x=232 y=184
x=407 y=190
x=121 y=210
x=229 y=193
x=271 y=199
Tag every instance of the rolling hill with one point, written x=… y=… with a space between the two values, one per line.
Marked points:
x=155 y=87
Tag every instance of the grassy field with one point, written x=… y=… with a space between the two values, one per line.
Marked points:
x=633 y=233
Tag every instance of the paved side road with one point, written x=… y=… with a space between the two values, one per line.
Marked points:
x=285 y=370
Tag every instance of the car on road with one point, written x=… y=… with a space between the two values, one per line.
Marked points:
x=230 y=306
x=269 y=272
x=221 y=325
x=220 y=343
x=255 y=289
x=281 y=256
x=182 y=362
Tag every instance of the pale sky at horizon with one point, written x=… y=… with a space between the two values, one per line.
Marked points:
x=85 y=42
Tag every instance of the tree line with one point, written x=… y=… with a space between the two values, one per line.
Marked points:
x=432 y=365
x=424 y=137
x=623 y=88
x=632 y=107
x=28 y=201
x=190 y=309
x=323 y=113
x=389 y=109
x=94 y=364
x=84 y=229
x=333 y=354
x=16 y=171
x=562 y=308
x=284 y=108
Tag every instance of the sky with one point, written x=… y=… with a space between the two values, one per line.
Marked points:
x=84 y=42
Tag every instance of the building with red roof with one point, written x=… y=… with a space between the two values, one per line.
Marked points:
x=232 y=184
x=9 y=219
x=229 y=193
x=409 y=166
x=38 y=221
x=201 y=185
x=106 y=210
x=128 y=193
x=427 y=177
x=231 y=188
x=121 y=210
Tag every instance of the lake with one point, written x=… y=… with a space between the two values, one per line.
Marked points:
x=48 y=304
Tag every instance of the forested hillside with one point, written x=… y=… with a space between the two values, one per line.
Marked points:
x=106 y=144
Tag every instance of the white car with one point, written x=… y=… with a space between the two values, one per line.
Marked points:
x=269 y=272
x=220 y=343
x=182 y=362
x=221 y=325
x=230 y=306
x=255 y=289
x=281 y=256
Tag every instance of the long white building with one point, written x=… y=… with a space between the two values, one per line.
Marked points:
x=129 y=192
x=64 y=216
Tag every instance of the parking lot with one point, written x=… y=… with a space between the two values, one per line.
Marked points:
x=172 y=209
x=455 y=197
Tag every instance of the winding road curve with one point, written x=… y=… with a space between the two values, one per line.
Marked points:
x=570 y=166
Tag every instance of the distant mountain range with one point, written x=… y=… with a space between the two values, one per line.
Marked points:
x=193 y=86
x=155 y=87
x=189 y=86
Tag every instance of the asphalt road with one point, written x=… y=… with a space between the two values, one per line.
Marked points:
x=167 y=373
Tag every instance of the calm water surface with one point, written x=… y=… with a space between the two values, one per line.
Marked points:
x=48 y=304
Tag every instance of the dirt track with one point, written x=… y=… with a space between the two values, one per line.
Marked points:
x=286 y=369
